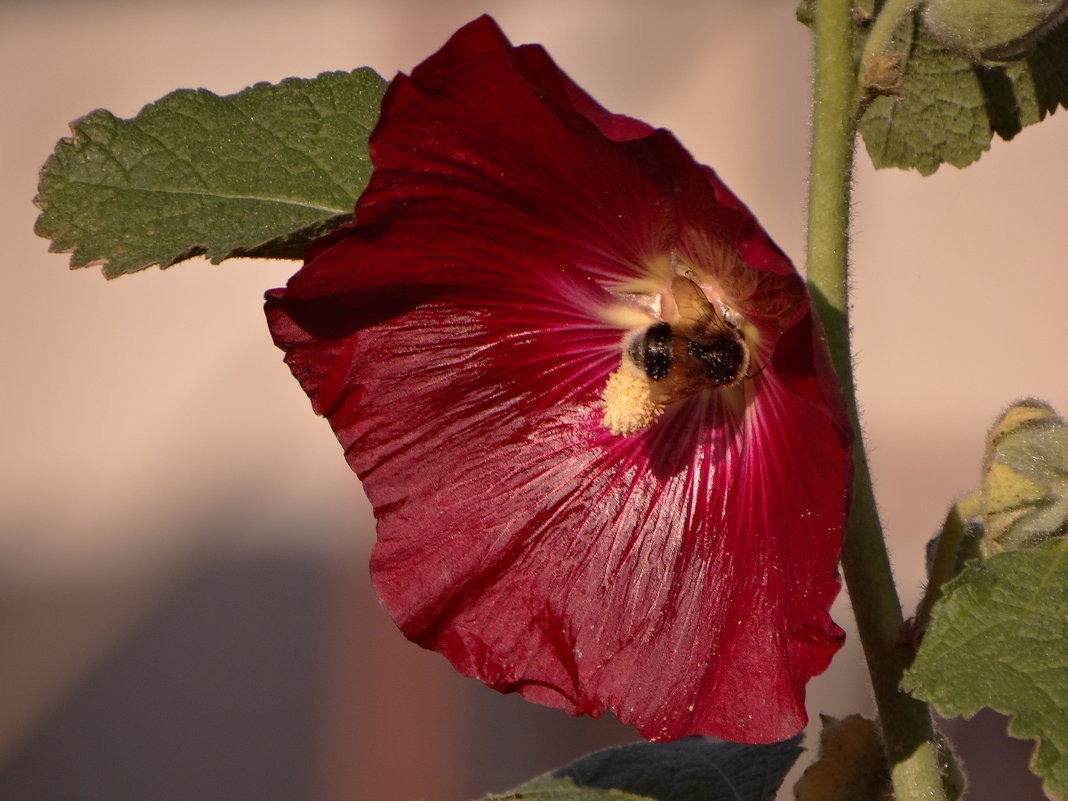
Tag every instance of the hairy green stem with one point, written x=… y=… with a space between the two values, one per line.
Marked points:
x=947 y=554
x=906 y=723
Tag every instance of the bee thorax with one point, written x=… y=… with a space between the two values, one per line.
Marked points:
x=724 y=359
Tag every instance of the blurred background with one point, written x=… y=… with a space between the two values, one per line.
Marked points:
x=185 y=611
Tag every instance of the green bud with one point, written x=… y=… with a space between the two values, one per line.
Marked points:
x=1025 y=479
x=992 y=30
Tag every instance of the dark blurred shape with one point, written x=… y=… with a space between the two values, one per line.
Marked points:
x=214 y=697
x=403 y=725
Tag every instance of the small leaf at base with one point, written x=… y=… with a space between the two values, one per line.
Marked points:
x=852 y=764
x=693 y=769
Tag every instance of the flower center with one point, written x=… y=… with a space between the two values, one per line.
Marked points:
x=692 y=346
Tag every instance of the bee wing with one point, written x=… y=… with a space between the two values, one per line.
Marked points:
x=697 y=317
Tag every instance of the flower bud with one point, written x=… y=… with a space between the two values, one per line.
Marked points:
x=992 y=30
x=1025 y=495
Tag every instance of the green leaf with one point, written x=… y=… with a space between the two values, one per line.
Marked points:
x=1025 y=481
x=948 y=109
x=259 y=173
x=694 y=769
x=999 y=638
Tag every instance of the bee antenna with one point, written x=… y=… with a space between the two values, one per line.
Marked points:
x=759 y=371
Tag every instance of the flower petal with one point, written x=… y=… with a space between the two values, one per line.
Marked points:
x=459 y=338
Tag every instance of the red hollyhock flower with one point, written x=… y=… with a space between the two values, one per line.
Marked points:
x=588 y=400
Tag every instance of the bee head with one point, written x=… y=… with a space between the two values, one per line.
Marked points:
x=651 y=350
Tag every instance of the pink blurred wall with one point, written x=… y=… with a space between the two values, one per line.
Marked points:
x=150 y=428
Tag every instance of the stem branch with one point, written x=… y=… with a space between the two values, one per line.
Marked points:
x=882 y=30
x=947 y=554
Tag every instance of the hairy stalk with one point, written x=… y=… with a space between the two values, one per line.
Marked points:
x=906 y=722
x=947 y=554
x=882 y=31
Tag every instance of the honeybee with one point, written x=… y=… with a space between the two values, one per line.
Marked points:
x=698 y=349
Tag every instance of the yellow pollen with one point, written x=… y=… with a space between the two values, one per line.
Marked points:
x=628 y=404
